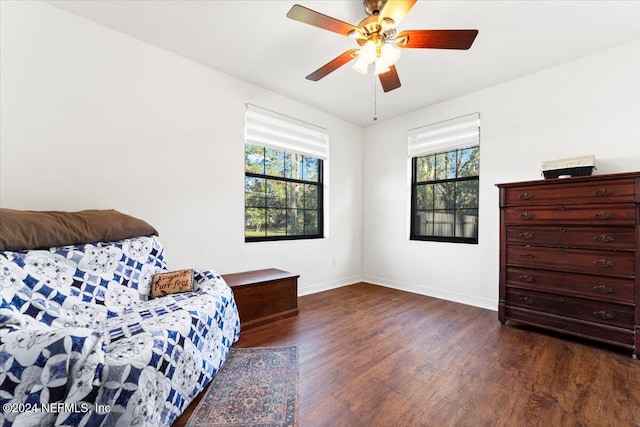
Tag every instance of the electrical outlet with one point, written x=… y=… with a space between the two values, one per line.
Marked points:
x=334 y=262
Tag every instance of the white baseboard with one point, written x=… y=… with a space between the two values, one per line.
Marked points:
x=401 y=286
x=436 y=293
x=320 y=287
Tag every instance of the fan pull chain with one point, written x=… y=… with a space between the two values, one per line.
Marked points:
x=375 y=101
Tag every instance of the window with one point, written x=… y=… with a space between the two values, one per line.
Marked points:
x=283 y=194
x=284 y=162
x=445 y=169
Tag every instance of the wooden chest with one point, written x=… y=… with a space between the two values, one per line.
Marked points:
x=568 y=256
x=263 y=296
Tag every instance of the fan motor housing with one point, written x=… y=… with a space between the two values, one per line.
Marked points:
x=373 y=7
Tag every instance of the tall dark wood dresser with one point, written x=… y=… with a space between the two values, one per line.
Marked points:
x=569 y=258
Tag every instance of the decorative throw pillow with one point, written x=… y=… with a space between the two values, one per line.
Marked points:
x=171 y=282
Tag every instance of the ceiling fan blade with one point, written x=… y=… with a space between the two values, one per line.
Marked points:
x=396 y=9
x=390 y=79
x=317 y=19
x=333 y=65
x=436 y=39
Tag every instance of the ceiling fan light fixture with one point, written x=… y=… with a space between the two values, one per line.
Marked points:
x=368 y=52
x=390 y=53
x=381 y=66
x=361 y=66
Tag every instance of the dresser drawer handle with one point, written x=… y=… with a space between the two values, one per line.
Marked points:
x=603 y=215
x=527 y=255
x=525 y=300
x=604 y=238
x=604 y=192
x=527 y=236
x=604 y=315
x=526 y=278
x=527 y=215
x=525 y=196
x=560 y=299
x=603 y=289
x=604 y=263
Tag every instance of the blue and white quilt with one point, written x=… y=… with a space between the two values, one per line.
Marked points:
x=81 y=344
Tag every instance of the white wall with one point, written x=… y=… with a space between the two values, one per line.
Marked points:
x=92 y=118
x=587 y=106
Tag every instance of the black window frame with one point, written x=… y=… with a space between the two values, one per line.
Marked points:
x=319 y=210
x=414 y=187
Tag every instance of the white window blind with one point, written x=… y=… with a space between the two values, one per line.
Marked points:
x=273 y=130
x=444 y=136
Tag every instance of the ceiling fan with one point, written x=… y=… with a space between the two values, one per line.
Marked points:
x=379 y=40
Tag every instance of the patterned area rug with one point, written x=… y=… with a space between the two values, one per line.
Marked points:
x=254 y=387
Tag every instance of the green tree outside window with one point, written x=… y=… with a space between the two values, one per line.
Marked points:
x=283 y=195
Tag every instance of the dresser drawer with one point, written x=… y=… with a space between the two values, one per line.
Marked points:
x=567 y=192
x=585 y=237
x=604 y=288
x=606 y=313
x=588 y=261
x=617 y=214
x=595 y=331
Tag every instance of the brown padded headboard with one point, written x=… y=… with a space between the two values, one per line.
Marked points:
x=25 y=230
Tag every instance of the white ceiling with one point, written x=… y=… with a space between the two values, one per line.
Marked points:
x=256 y=42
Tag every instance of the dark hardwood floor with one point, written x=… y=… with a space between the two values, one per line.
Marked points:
x=372 y=356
